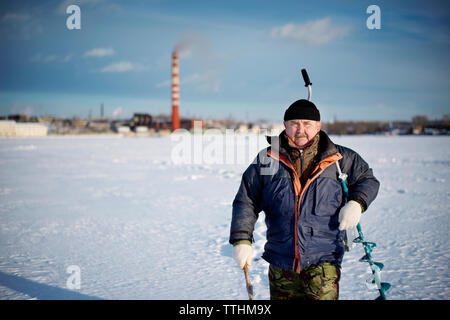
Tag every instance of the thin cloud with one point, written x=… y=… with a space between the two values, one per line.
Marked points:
x=313 y=33
x=163 y=84
x=23 y=26
x=428 y=31
x=15 y=18
x=123 y=66
x=197 y=48
x=67 y=58
x=208 y=81
x=43 y=58
x=99 y=52
x=39 y=58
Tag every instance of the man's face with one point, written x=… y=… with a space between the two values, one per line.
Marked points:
x=302 y=131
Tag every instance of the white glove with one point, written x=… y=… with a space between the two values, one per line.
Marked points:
x=349 y=215
x=242 y=254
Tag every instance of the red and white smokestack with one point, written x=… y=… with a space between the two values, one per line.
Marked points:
x=175 y=92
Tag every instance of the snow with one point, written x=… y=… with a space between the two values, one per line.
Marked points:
x=140 y=225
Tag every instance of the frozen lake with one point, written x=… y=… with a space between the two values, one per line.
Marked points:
x=138 y=225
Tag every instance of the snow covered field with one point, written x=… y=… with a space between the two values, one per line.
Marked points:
x=139 y=226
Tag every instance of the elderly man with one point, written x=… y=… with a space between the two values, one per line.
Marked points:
x=306 y=212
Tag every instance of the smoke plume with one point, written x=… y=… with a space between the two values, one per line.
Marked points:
x=208 y=65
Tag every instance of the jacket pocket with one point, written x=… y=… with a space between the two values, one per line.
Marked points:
x=328 y=197
x=277 y=197
x=328 y=234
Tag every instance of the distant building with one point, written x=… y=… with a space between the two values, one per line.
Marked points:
x=141 y=120
x=255 y=129
x=276 y=129
x=123 y=129
x=98 y=126
x=10 y=128
x=18 y=117
x=141 y=129
x=7 y=128
x=431 y=131
x=242 y=128
x=79 y=123
x=193 y=124
x=31 y=130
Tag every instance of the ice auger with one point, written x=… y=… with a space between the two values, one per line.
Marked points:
x=351 y=237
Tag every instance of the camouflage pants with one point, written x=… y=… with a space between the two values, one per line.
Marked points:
x=315 y=282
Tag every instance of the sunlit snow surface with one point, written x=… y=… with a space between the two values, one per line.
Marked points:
x=140 y=226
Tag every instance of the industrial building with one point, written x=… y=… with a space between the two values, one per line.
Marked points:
x=11 y=128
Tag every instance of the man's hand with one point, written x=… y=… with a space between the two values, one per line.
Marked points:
x=242 y=254
x=349 y=215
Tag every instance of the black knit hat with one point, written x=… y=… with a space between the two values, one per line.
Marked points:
x=302 y=109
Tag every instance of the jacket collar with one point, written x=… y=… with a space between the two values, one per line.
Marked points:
x=279 y=144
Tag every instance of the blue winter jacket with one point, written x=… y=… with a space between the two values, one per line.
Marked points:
x=302 y=220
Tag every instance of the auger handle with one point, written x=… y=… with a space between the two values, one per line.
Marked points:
x=307 y=83
x=306 y=78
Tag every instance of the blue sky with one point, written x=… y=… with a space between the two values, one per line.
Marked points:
x=238 y=58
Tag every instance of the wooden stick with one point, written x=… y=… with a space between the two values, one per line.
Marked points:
x=248 y=283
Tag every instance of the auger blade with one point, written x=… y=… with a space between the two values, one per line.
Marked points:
x=379 y=265
x=371 y=245
x=371 y=283
x=358 y=240
x=375 y=267
x=385 y=286
x=379 y=298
